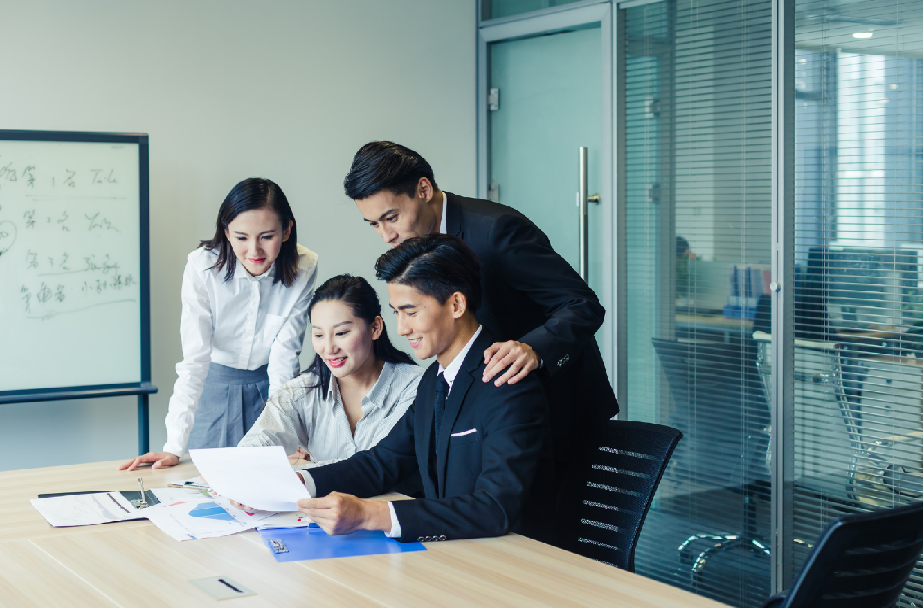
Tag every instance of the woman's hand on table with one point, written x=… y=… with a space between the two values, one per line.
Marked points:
x=159 y=460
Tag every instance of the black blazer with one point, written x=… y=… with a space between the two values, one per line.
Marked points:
x=477 y=484
x=531 y=294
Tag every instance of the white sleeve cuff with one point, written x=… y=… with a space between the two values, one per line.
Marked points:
x=309 y=483
x=395 y=525
x=174 y=449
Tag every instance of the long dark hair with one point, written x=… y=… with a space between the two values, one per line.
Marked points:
x=255 y=193
x=362 y=300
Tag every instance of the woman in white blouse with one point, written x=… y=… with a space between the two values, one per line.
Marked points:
x=245 y=297
x=356 y=389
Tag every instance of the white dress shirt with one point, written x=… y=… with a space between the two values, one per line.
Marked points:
x=299 y=416
x=445 y=200
x=243 y=323
x=449 y=372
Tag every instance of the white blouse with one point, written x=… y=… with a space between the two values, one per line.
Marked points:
x=243 y=323
x=297 y=416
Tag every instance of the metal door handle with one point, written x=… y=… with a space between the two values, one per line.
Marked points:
x=583 y=200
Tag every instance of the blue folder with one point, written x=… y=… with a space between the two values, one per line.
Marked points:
x=296 y=544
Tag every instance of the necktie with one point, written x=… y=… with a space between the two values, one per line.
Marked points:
x=442 y=389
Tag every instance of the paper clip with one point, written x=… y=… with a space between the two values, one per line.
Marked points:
x=277 y=545
x=142 y=502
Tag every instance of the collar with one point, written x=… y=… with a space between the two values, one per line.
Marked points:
x=452 y=215
x=442 y=222
x=241 y=273
x=376 y=396
x=450 y=372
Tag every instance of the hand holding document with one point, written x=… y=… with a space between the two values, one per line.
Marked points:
x=261 y=478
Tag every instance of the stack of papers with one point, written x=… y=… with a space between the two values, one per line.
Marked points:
x=258 y=477
x=187 y=515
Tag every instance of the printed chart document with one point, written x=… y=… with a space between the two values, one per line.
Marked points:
x=193 y=518
x=86 y=509
x=188 y=514
x=261 y=478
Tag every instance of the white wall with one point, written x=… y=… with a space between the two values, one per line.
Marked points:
x=287 y=90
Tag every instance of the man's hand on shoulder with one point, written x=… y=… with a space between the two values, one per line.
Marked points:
x=339 y=513
x=517 y=358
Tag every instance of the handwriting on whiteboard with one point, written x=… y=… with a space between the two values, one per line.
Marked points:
x=59 y=232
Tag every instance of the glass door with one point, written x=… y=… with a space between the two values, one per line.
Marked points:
x=545 y=102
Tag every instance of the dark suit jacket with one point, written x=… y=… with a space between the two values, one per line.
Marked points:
x=531 y=294
x=476 y=485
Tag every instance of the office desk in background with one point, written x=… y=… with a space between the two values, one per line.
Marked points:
x=134 y=564
x=700 y=326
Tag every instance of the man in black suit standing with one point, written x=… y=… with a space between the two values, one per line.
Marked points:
x=540 y=310
x=476 y=445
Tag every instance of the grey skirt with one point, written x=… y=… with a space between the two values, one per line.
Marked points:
x=231 y=401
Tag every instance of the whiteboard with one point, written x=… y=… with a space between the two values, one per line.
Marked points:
x=72 y=229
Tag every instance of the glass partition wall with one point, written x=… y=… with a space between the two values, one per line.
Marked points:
x=857 y=382
x=703 y=241
x=698 y=222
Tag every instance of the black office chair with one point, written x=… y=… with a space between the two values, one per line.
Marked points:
x=861 y=561
x=715 y=376
x=606 y=503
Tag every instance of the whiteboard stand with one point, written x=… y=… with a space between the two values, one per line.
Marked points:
x=75 y=268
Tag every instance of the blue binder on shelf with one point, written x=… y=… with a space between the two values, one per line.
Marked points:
x=297 y=544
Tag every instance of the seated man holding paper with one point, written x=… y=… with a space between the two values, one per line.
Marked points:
x=476 y=445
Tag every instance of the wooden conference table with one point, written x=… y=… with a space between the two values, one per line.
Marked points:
x=135 y=564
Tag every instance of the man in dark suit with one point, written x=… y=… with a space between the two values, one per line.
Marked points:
x=542 y=313
x=476 y=445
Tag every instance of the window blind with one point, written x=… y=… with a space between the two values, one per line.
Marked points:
x=697 y=194
x=858 y=321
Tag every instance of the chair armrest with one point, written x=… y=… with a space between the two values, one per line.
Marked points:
x=775 y=601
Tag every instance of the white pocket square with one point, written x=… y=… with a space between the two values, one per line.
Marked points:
x=463 y=433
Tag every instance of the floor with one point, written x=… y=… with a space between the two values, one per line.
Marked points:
x=735 y=577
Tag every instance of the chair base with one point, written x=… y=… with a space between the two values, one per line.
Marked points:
x=719 y=544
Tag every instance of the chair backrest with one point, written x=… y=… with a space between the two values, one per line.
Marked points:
x=862 y=560
x=718 y=403
x=606 y=503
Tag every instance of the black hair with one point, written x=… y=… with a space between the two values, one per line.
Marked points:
x=255 y=193
x=436 y=265
x=385 y=165
x=682 y=246
x=362 y=300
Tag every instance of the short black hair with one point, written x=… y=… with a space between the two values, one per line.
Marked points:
x=436 y=265
x=385 y=165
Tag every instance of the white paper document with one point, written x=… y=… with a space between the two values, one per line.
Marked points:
x=186 y=513
x=195 y=517
x=294 y=519
x=86 y=509
x=252 y=516
x=261 y=478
